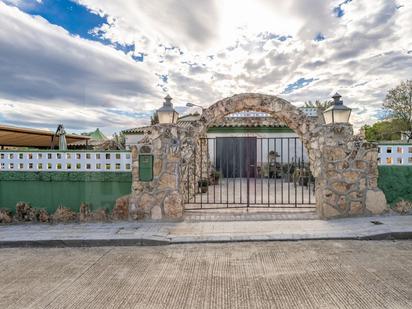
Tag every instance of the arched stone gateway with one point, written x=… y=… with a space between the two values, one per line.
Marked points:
x=344 y=165
x=280 y=109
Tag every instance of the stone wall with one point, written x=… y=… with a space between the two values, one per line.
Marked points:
x=161 y=197
x=344 y=165
x=346 y=173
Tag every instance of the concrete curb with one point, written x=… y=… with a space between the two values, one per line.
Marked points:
x=78 y=243
x=389 y=236
x=382 y=236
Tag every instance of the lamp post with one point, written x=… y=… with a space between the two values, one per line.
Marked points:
x=337 y=113
x=193 y=105
x=167 y=113
x=189 y=104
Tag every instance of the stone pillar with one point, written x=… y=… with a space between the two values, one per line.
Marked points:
x=346 y=173
x=161 y=197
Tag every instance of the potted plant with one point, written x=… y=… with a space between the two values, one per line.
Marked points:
x=203 y=185
x=214 y=177
x=264 y=170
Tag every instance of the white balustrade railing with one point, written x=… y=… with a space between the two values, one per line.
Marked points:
x=121 y=161
x=76 y=161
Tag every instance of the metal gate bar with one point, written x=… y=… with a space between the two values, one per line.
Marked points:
x=222 y=170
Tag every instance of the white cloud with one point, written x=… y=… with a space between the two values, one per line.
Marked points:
x=213 y=49
x=44 y=68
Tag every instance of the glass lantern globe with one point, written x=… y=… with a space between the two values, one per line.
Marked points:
x=337 y=113
x=167 y=113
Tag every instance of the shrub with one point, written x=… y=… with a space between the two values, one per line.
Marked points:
x=396 y=183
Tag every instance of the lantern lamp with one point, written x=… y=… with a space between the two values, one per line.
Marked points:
x=337 y=113
x=167 y=113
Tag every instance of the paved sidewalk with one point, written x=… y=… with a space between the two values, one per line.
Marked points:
x=146 y=233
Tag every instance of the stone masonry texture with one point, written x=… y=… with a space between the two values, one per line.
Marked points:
x=344 y=165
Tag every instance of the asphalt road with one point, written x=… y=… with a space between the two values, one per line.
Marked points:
x=306 y=274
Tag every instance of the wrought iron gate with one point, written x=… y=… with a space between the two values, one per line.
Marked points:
x=249 y=172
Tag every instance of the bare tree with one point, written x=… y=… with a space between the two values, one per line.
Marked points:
x=398 y=104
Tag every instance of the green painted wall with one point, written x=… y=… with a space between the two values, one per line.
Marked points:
x=101 y=189
x=396 y=183
x=51 y=189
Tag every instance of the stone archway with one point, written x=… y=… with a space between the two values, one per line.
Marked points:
x=344 y=165
x=279 y=109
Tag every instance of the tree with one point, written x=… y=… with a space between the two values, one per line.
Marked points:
x=318 y=104
x=154 y=119
x=398 y=104
x=386 y=130
x=119 y=140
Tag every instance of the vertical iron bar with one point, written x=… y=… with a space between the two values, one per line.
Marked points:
x=288 y=170
x=297 y=185
x=281 y=166
x=234 y=174
x=267 y=142
x=227 y=182
x=276 y=168
x=301 y=178
x=207 y=167
x=304 y=169
x=188 y=181
x=239 y=140
x=246 y=141
x=261 y=170
x=255 y=165
x=233 y=160
x=216 y=171
x=222 y=171
x=195 y=184
x=201 y=172
x=234 y=164
x=310 y=178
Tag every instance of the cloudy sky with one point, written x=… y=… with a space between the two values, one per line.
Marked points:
x=108 y=64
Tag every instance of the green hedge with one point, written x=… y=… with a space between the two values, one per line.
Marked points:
x=50 y=189
x=396 y=183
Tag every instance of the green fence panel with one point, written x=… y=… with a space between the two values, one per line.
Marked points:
x=51 y=189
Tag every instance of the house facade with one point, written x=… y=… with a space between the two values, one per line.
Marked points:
x=243 y=159
x=395 y=153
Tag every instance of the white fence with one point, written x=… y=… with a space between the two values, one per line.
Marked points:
x=400 y=154
x=121 y=161
x=79 y=161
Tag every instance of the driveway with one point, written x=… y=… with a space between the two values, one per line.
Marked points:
x=310 y=274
